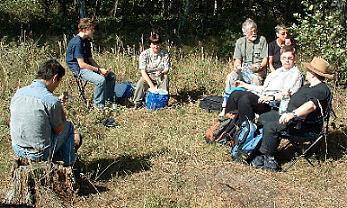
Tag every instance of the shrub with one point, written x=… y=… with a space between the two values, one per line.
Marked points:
x=320 y=32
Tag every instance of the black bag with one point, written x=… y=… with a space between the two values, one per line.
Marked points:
x=212 y=103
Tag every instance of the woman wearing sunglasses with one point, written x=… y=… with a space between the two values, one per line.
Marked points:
x=276 y=45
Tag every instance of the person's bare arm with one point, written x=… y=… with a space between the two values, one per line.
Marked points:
x=302 y=111
x=93 y=66
x=147 y=79
x=237 y=64
x=259 y=68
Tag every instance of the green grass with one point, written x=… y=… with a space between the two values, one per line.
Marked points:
x=160 y=159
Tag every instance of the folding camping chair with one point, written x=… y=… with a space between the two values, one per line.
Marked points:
x=81 y=86
x=310 y=137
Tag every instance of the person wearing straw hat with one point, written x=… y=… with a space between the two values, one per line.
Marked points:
x=306 y=103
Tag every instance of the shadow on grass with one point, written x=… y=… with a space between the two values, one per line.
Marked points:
x=184 y=96
x=336 y=148
x=106 y=169
x=14 y=206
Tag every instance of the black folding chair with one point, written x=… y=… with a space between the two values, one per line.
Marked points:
x=312 y=138
x=81 y=86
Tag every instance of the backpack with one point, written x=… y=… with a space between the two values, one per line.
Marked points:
x=212 y=103
x=123 y=91
x=222 y=130
x=215 y=103
x=247 y=142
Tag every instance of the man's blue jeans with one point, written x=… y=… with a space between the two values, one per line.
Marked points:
x=60 y=144
x=104 y=86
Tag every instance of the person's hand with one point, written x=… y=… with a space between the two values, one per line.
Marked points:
x=64 y=97
x=264 y=99
x=287 y=42
x=238 y=68
x=255 y=67
x=285 y=118
x=104 y=71
x=285 y=93
x=159 y=73
x=153 y=88
x=239 y=83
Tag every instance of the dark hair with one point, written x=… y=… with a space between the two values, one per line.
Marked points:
x=86 y=23
x=154 y=38
x=287 y=48
x=50 y=68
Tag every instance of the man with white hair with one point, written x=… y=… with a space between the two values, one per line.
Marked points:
x=250 y=57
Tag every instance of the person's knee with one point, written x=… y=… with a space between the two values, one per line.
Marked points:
x=101 y=82
x=244 y=101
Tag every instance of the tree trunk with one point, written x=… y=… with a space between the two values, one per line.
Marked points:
x=32 y=182
x=115 y=8
x=83 y=9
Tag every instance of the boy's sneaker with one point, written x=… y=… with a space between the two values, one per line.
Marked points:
x=99 y=106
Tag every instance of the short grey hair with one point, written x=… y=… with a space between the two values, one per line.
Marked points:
x=247 y=25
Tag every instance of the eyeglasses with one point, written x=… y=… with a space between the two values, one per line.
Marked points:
x=284 y=58
x=284 y=33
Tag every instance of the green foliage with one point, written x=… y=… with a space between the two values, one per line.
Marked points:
x=160 y=159
x=22 y=12
x=321 y=33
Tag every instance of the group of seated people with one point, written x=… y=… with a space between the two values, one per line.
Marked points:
x=154 y=65
x=249 y=97
x=40 y=131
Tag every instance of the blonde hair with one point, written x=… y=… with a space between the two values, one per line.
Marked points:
x=278 y=28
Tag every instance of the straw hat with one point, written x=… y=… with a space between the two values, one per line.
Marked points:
x=319 y=66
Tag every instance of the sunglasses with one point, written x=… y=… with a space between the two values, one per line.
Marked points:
x=284 y=33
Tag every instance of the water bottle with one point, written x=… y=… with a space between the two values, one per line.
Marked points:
x=284 y=104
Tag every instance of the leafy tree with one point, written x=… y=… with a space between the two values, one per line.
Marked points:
x=321 y=32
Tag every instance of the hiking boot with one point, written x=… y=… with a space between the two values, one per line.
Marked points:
x=258 y=161
x=270 y=163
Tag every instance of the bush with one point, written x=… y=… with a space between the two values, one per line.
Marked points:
x=320 y=32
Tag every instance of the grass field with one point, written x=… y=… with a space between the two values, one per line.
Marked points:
x=160 y=159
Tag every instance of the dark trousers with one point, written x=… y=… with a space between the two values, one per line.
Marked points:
x=272 y=130
x=246 y=104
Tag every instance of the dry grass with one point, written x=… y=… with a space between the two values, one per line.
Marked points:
x=160 y=159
